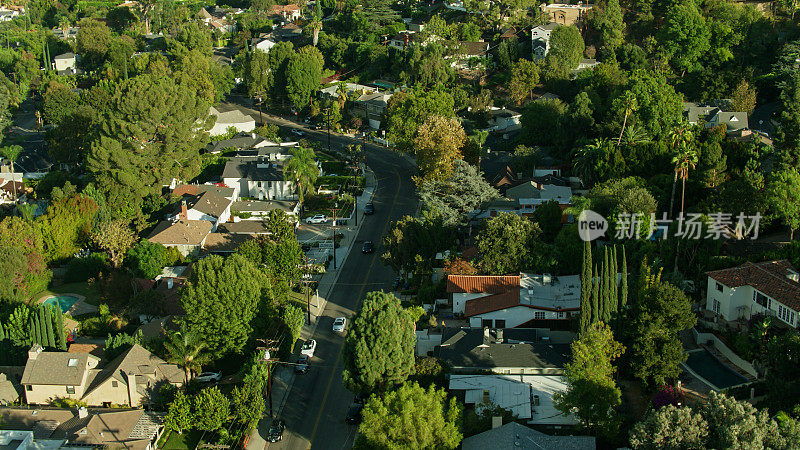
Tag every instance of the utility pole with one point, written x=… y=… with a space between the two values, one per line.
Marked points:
x=270 y=347
x=328 y=124
x=355 y=167
x=333 y=212
x=307 y=284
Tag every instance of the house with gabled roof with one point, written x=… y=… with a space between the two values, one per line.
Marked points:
x=771 y=288
x=127 y=380
x=207 y=206
x=516 y=436
x=187 y=236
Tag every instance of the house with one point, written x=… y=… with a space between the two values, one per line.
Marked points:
x=528 y=397
x=565 y=14
x=132 y=429
x=127 y=380
x=712 y=115
x=516 y=436
x=259 y=209
x=288 y=12
x=371 y=107
x=197 y=190
x=540 y=40
x=66 y=33
x=503 y=119
x=288 y=32
x=258 y=177
x=207 y=206
x=66 y=63
x=204 y=15
x=225 y=243
x=187 y=236
x=265 y=45
x=12 y=191
x=8 y=390
x=586 y=63
x=525 y=300
x=232 y=118
x=246 y=227
x=353 y=90
x=402 y=39
x=512 y=351
x=523 y=198
x=240 y=141
x=769 y=287
x=464 y=52
x=7 y=14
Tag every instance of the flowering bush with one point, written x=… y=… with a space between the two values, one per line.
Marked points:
x=668 y=395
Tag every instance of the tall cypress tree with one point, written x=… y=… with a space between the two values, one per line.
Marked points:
x=61 y=338
x=614 y=282
x=42 y=326
x=605 y=296
x=596 y=312
x=48 y=326
x=586 y=286
x=36 y=334
x=2 y=332
x=623 y=287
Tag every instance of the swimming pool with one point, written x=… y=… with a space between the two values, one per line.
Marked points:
x=707 y=366
x=65 y=302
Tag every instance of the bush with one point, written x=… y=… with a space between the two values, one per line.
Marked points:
x=426 y=293
x=81 y=269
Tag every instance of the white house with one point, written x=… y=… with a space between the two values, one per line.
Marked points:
x=7 y=14
x=265 y=45
x=66 y=62
x=540 y=39
x=528 y=397
x=207 y=206
x=526 y=300
x=502 y=118
x=769 y=287
x=234 y=118
x=257 y=177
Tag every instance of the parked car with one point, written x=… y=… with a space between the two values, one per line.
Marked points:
x=361 y=398
x=207 y=377
x=302 y=364
x=275 y=432
x=308 y=348
x=319 y=218
x=369 y=209
x=368 y=247
x=354 y=414
x=305 y=247
x=338 y=324
x=298 y=132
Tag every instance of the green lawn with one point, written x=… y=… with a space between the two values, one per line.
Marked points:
x=174 y=441
x=82 y=288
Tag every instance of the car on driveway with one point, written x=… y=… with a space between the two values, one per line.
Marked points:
x=308 y=348
x=298 y=132
x=302 y=364
x=275 y=432
x=368 y=247
x=354 y=414
x=319 y=218
x=369 y=209
x=339 y=324
x=207 y=377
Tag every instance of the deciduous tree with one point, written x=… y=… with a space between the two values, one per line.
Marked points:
x=114 y=237
x=438 y=146
x=455 y=198
x=211 y=409
x=784 y=197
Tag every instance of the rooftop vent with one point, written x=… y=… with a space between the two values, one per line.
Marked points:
x=73 y=362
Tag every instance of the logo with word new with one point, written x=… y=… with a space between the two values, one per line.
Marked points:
x=591 y=225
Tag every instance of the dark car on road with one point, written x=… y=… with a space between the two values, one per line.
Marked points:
x=368 y=247
x=369 y=209
x=302 y=364
x=354 y=414
x=275 y=433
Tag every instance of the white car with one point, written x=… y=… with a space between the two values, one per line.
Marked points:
x=319 y=218
x=207 y=377
x=308 y=348
x=338 y=324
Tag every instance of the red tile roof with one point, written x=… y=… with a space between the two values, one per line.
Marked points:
x=769 y=278
x=476 y=284
x=494 y=302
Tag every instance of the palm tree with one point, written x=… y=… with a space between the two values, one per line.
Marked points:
x=341 y=94
x=302 y=169
x=630 y=106
x=685 y=160
x=588 y=159
x=316 y=26
x=188 y=350
x=681 y=138
x=480 y=139
x=634 y=134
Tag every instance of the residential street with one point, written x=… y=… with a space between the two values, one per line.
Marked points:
x=318 y=402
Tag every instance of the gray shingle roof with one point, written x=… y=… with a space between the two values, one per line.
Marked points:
x=248 y=167
x=469 y=347
x=182 y=232
x=211 y=204
x=513 y=435
x=54 y=368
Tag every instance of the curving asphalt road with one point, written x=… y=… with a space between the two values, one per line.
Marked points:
x=318 y=402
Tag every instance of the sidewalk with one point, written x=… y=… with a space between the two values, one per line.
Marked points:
x=283 y=377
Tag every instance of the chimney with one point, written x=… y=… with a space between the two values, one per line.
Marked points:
x=497 y=422
x=133 y=397
x=184 y=211
x=83 y=412
x=34 y=351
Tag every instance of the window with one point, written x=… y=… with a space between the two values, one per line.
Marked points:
x=786 y=314
x=486 y=323
x=499 y=323
x=28 y=388
x=561 y=314
x=715 y=306
x=761 y=299
x=539 y=315
x=719 y=287
x=114 y=383
x=70 y=389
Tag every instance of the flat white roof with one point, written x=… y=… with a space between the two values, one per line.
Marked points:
x=517 y=393
x=550 y=291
